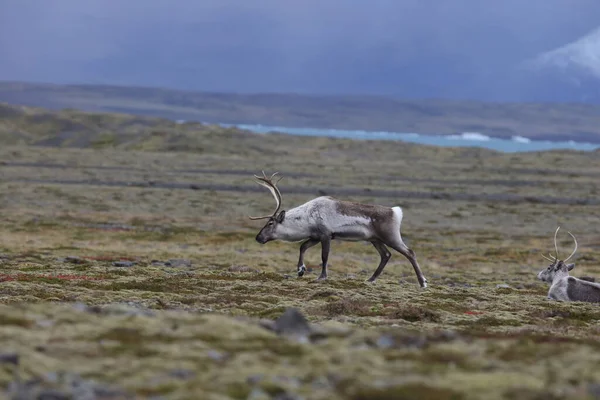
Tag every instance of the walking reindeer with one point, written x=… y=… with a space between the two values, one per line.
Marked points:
x=564 y=287
x=324 y=219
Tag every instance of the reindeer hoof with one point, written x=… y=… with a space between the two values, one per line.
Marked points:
x=301 y=270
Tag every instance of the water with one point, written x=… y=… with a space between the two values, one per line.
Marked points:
x=467 y=139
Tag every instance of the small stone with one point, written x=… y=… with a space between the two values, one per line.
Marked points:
x=321 y=382
x=52 y=377
x=45 y=323
x=123 y=264
x=182 y=373
x=254 y=379
x=594 y=390
x=9 y=358
x=105 y=392
x=73 y=260
x=384 y=342
x=53 y=394
x=503 y=286
x=258 y=394
x=216 y=355
x=286 y=396
x=178 y=262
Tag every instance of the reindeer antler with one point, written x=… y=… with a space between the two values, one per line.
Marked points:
x=574 y=250
x=555 y=258
x=555 y=245
x=272 y=186
x=549 y=259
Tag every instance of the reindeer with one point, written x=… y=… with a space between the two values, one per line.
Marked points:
x=324 y=219
x=564 y=287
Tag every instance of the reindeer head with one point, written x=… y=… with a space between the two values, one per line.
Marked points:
x=558 y=267
x=268 y=232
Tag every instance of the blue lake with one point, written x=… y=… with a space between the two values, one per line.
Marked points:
x=516 y=144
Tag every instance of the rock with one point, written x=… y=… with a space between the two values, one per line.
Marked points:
x=45 y=323
x=293 y=324
x=258 y=394
x=63 y=385
x=9 y=358
x=182 y=373
x=503 y=286
x=384 y=342
x=123 y=264
x=178 y=262
x=216 y=355
x=73 y=260
x=53 y=394
x=79 y=306
x=287 y=396
x=594 y=390
x=254 y=379
x=321 y=383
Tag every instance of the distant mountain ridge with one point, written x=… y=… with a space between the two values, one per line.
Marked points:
x=553 y=121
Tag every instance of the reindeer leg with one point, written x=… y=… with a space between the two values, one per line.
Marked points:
x=325 y=245
x=303 y=247
x=385 y=257
x=403 y=249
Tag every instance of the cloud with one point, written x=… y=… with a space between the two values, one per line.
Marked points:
x=409 y=47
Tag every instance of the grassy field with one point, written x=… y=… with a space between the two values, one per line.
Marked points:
x=552 y=121
x=129 y=269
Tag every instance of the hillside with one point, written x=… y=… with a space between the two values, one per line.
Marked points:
x=552 y=121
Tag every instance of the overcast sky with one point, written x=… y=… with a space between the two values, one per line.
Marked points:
x=401 y=47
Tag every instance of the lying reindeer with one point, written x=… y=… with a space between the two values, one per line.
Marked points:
x=564 y=287
x=324 y=219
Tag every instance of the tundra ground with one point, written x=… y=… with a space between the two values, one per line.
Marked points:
x=139 y=271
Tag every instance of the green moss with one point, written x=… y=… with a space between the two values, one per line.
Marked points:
x=7 y=319
x=414 y=313
x=348 y=306
x=409 y=391
x=489 y=321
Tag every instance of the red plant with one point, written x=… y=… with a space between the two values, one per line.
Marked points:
x=474 y=312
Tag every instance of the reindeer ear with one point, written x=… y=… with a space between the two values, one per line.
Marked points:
x=570 y=266
x=281 y=216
